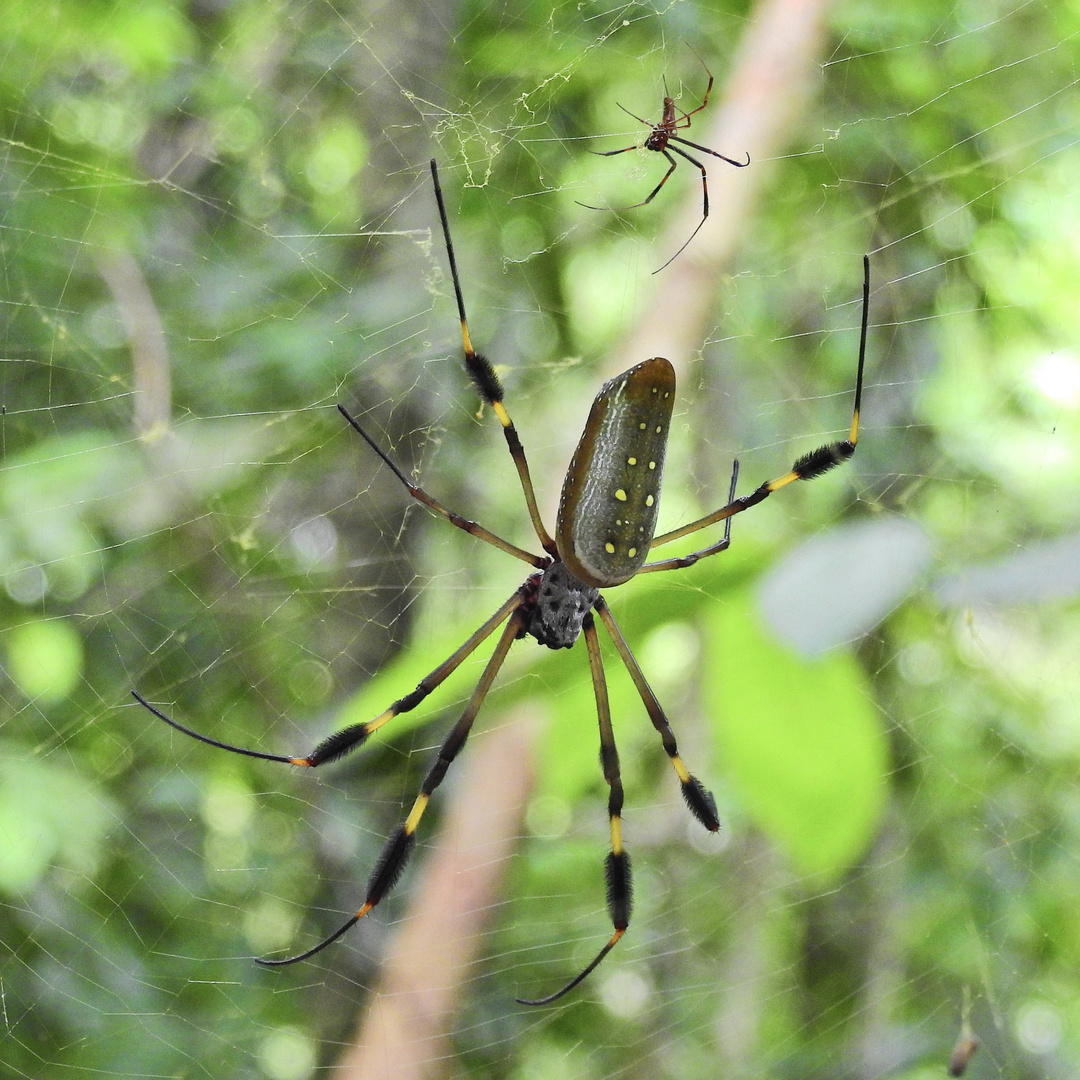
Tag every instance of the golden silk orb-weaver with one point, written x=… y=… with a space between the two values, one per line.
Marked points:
x=604 y=535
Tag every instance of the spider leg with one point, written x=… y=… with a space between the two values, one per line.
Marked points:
x=706 y=150
x=639 y=119
x=487 y=382
x=809 y=465
x=700 y=801
x=704 y=202
x=713 y=549
x=348 y=739
x=704 y=101
x=422 y=496
x=651 y=195
x=606 y=153
x=617 y=866
x=708 y=89
x=214 y=742
x=400 y=845
x=612 y=153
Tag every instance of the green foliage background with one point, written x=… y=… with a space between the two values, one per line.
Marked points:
x=901 y=815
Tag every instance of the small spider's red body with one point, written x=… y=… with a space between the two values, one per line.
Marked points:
x=658 y=137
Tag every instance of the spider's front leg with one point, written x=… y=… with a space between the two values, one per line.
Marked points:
x=809 y=466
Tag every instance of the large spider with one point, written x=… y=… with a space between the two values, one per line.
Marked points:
x=660 y=139
x=603 y=536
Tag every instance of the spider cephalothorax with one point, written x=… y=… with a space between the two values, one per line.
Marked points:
x=560 y=607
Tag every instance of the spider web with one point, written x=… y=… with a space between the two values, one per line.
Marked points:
x=217 y=224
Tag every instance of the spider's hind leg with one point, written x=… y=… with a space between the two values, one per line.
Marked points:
x=698 y=798
x=617 y=864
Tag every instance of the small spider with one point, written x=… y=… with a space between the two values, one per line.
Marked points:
x=659 y=140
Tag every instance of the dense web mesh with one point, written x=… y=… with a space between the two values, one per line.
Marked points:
x=217 y=224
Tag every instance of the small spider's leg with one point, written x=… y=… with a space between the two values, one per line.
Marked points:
x=487 y=382
x=705 y=68
x=617 y=866
x=809 y=465
x=651 y=195
x=348 y=739
x=612 y=153
x=704 y=101
x=713 y=549
x=704 y=204
x=639 y=119
x=678 y=125
x=607 y=153
x=418 y=493
x=400 y=845
x=715 y=153
x=698 y=798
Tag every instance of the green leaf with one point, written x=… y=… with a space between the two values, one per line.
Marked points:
x=800 y=740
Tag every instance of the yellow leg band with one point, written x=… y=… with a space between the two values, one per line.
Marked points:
x=680 y=768
x=616 y=835
x=416 y=813
x=382 y=718
x=501 y=413
x=791 y=477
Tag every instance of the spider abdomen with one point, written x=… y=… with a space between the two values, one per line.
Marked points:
x=611 y=494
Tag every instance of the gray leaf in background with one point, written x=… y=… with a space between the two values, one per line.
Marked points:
x=1046 y=571
x=837 y=586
